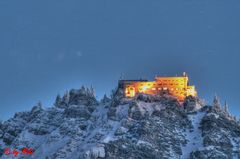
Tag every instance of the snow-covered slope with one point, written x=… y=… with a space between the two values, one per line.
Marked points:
x=80 y=127
x=194 y=135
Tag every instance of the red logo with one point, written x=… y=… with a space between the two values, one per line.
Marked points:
x=15 y=152
x=7 y=151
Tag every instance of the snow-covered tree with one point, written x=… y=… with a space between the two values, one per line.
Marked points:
x=235 y=118
x=226 y=108
x=39 y=104
x=105 y=99
x=216 y=102
x=66 y=98
x=114 y=92
x=82 y=90
x=92 y=91
x=58 y=100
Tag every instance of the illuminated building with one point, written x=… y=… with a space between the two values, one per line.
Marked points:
x=176 y=86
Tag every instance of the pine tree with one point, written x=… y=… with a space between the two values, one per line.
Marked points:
x=88 y=92
x=37 y=107
x=226 y=109
x=58 y=100
x=113 y=93
x=39 y=104
x=105 y=99
x=235 y=118
x=92 y=91
x=83 y=89
x=216 y=102
x=66 y=98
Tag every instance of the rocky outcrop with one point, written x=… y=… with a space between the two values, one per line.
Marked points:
x=219 y=132
x=192 y=103
x=156 y=127
x=75 y=111
x=84 y=96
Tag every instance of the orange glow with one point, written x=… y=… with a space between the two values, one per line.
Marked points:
x=130 y=91
x=144 y=87
x=175 y=86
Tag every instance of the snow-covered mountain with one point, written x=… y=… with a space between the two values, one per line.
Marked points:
x=155 y=127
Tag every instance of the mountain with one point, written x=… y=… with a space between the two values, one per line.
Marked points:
x=155 y=127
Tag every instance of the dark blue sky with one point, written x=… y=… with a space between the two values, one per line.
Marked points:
x=47 y=47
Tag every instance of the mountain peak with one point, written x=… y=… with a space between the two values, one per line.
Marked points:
x=146 y=126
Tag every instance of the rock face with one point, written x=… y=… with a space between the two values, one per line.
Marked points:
x=154 y=127
x=221 y=136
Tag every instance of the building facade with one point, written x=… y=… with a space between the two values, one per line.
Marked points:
x=175 y=86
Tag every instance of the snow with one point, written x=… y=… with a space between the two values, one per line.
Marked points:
x=146 y=107
x=77 y=138
x=122 y=111
x=27 y=136
x=98 y=151
x=1 y=143
x=215 y=115
x=50 y=147
x=194 y=138
x=110 y=136
x=143 y=142
x=236 y=147
x=103 y=128
x=206 y=148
